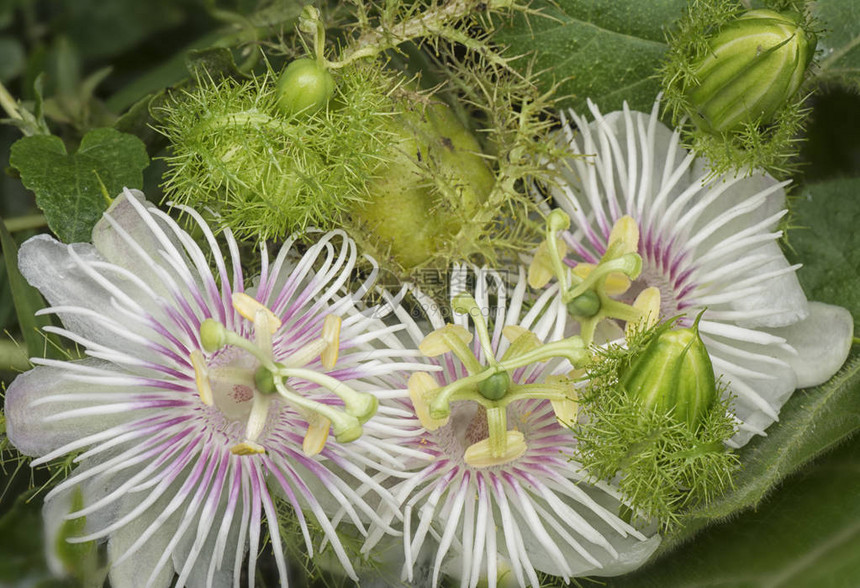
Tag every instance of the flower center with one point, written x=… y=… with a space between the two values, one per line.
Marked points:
x=479 y=429
x=231 y=378
x=594 y=292
x=241 y=376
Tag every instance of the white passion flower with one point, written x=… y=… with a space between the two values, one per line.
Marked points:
x=201 y=406
x=493 y=491
x=705 y=245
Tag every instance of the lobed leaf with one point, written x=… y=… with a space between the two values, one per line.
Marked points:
x=606 y=50
x=71 y=189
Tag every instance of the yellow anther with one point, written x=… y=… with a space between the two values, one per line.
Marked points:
x=306 y=354
x=616 y=282
x=331 y=336
x=648 y=303
x=514 y=332
x=624 y=237
x=247 y=448
x=541 y=269
x=421 y=387
x=479 y=454
x=434 y=344
x=201 y=377
x=567 y=410
x=248 y=307
x=522 y=341
x=317 y=435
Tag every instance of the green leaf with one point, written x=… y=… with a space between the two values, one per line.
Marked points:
x=806 y=535
x=827 y=215
x=214 y=62
x=840 y=43
x=606 y=50
x=70 y=189
x=26 y=298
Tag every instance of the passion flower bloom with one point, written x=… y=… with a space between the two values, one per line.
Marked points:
x=493 y=490
x=706 y=245
x=201 y=408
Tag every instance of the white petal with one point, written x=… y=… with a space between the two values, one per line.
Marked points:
x=135 y=571
x=822 y=341
x=127 y=217
x=781 y=294
x=26 y=424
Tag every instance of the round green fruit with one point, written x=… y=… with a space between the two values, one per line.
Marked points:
x=304 y=86
x=431 y=186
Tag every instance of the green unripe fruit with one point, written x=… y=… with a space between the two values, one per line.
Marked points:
x=495 y=387
x=674 y=376
x=264 y=381
x=585 y=305
x=754 y=67
x=432 y=185
x=304 y=86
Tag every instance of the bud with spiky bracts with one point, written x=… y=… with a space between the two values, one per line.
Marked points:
x=653 y=420
x=737 y=76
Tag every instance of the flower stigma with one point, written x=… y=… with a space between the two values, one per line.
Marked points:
x=241 y=377
x=589 y=290
x=492 y=384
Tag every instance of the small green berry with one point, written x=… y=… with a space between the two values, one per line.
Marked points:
x=264 y=381
x=304 y=86
x=586 y=305
x=495 y=387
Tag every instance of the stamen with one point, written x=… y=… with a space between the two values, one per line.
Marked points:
x=648 y=303
x=497 y=428
x=317 y=435
x=542 y=269
x=248 y=307
x=616 y=283
x=479 y=455
x=421 y=387
x=624 y=237
x=306 y=354
x=455 y=339
x=465 y=304
x=257 y=418
x=436 y=344
x=331 y=336
x=201 y=378
x=247 y=448
x=567 y=409
x=629 y=264
x=522 y=341
x=263 y=331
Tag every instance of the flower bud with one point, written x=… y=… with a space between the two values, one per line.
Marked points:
x=304 y=86
x=754 y=66
x=674 y=376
